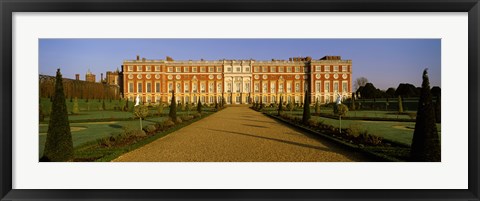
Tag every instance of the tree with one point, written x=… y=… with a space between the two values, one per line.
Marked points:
x=306 y=108
x=290 y=106
x=126 y=105
x=317 y=107
x=353 y=102
x=188 y=107
x=406 y=90
x=199 y=106
x=59 y=144
x=280 y=106
x=173 y=108
x=359 y=82
x=425 y=142
x=342 y=111
x=216 y=105
x=400 y=104
x=369 y=91
x=75 y=109
x=390 y=92
x=438 y=109
x=140 y=111
x=160 y=109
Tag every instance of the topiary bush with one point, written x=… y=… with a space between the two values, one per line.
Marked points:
x=149 y=129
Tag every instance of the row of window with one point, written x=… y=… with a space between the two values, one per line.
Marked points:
x=273 y=69
x=238 y=87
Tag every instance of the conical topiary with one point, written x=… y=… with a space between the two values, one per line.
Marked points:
x=306 y=108
x=59 y=144
x=425 y=142
x=173 y=108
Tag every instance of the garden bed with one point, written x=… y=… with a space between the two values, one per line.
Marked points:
x=372 y=146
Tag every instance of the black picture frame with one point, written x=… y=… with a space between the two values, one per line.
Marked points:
x=7 y=7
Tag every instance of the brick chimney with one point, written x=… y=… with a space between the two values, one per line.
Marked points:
x=101 y=77
x=77 y=76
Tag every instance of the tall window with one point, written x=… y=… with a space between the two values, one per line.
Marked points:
x=149 y=87
x=264 y=88
x=272 y=87
x=317 y=87
x=211 y=86
x=139 y=87
x=149 y=68
x=219 y=88
x=247 y=87
x=344 y=87
x=179 y=87
x=229 y=87
x=335 y=86
x=297 y=87
x=130 y=87
x=238 y=86
x=194 y=87
x=139 y=68
x=186 y=88
x=202 y=87
x=344 y=68
x=280 y=88
x=170 y=87
x=289 y=87
x=257 y=87
x=157 y=87
x=327 y=87
x=237 y=69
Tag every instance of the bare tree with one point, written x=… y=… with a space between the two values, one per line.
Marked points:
x=359 y=82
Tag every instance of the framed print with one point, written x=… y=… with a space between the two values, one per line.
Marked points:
x=107 y=100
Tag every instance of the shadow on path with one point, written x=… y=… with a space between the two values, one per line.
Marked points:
x=273 y=139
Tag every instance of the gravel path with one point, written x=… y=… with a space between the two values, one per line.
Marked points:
x=242 y=135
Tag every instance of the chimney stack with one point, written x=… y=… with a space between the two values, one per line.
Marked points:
x=101 y=77
x=77 y=76
x=138 y=57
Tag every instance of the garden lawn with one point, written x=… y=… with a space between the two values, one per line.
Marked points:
x=401 y=132
x=91 y=131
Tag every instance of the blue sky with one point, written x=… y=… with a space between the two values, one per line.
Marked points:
x=384 y=62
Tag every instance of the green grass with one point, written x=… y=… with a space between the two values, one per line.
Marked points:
x=400 y=132
x=96 y=130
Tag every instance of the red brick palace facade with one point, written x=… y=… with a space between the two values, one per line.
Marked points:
x=239 y=81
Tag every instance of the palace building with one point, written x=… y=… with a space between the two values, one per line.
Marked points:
x=238 y=81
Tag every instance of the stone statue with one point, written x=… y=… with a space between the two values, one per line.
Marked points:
x=339 y=99
x=137 y=101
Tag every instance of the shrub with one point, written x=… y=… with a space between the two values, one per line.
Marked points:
x=137 y=133
x=149 y=128
x=178 y=120
x=187 y=118
x=197 y=115
x=167 y=123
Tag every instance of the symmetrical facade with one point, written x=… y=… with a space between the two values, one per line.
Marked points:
x=238 y=81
